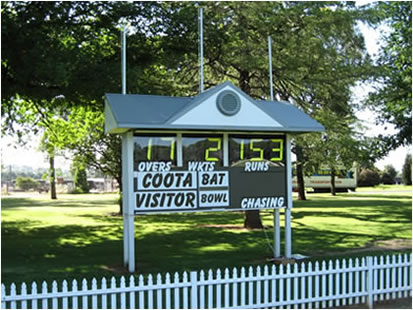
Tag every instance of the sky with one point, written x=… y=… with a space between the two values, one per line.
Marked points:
x=29 y=155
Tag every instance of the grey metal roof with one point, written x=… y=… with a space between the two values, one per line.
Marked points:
x=125 y=112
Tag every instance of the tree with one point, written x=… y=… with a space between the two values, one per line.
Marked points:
x=407 y=170
x=26 y=183
x=389 y=174
x=319 y=55
x=76 y=49
x=392 y=98
x=80 y=175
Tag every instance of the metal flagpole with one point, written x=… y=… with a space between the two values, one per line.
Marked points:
x=201 y=48
x=270 y=66
x=277 y=229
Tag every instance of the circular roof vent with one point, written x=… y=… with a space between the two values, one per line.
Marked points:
x=228 y=103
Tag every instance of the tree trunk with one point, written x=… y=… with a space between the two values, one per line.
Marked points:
x=252 y=219
x=52 y=178
x=333 y=181
x=300 y=176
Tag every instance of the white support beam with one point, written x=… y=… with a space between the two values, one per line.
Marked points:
x=127 y=202
x=277 y=233
x=287 y=228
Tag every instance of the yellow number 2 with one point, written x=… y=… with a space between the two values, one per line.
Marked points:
x=213 y=149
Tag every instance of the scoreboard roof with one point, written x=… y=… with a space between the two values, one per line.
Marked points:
x=221 y=108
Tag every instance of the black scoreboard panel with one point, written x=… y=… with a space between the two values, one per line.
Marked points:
x=252 y=176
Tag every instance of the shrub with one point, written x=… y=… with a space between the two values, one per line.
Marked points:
x=368 y=177
x=26 y=183
x=407 y=170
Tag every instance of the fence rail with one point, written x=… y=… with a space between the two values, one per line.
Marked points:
x=306 y=285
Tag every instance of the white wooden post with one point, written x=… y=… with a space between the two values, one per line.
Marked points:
x=277 y=234
x=288 y=168
x=127 y=201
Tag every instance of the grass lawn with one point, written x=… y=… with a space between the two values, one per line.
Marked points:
x=77 y=236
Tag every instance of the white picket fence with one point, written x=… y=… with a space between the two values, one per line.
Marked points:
x=301 y=286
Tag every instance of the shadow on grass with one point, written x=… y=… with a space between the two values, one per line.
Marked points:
x=16 y=203
x=177 y=242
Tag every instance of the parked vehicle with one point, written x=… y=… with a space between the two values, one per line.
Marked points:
x=320 y=181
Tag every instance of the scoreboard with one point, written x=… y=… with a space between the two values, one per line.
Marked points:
x=208 y=172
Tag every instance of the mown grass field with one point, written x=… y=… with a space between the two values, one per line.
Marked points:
x=78 y=236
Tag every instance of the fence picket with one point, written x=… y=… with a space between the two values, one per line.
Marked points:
x=65 y=304
x=330 y=284
x=23 y=292
x=104 y=297
x=405 y=271
x=258 y=287
x=381 y=277
x=34 y=293
x=350 y=281
x=168 y=291
x=273 y=284
x=399 y=276
x=393 y=277
x=317 y=285
x=113 y=295
x=44 y=300
x=295 y=284
x=288 y=286
x=176 y=292
x=337 y=287
x=202 y=290
x=185 y=295
x=235 y=287
x=302 y=286
x=243 y=298
x=343 y=282
x=266 y=285
x=3 y=293
x=250 y=286
x=302 y=269
x=281 y=285
x=142 y=293
x=84 y=298
x=210 y=292
x=13 y=294
x=132 y=294
x=387 y=286
x=122 y=285
x=375 y=278
x=159 y=292
x=54 y=291
x=323 y=284
x=357 y=280
x=94 y=296
x=363 y=280
x=226 y=288
x=310 y=285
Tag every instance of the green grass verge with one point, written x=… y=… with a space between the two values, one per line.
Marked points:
x=78 y=236
x=382 y=187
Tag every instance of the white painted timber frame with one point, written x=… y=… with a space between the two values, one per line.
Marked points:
x=127 y=201
x=128 y=196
